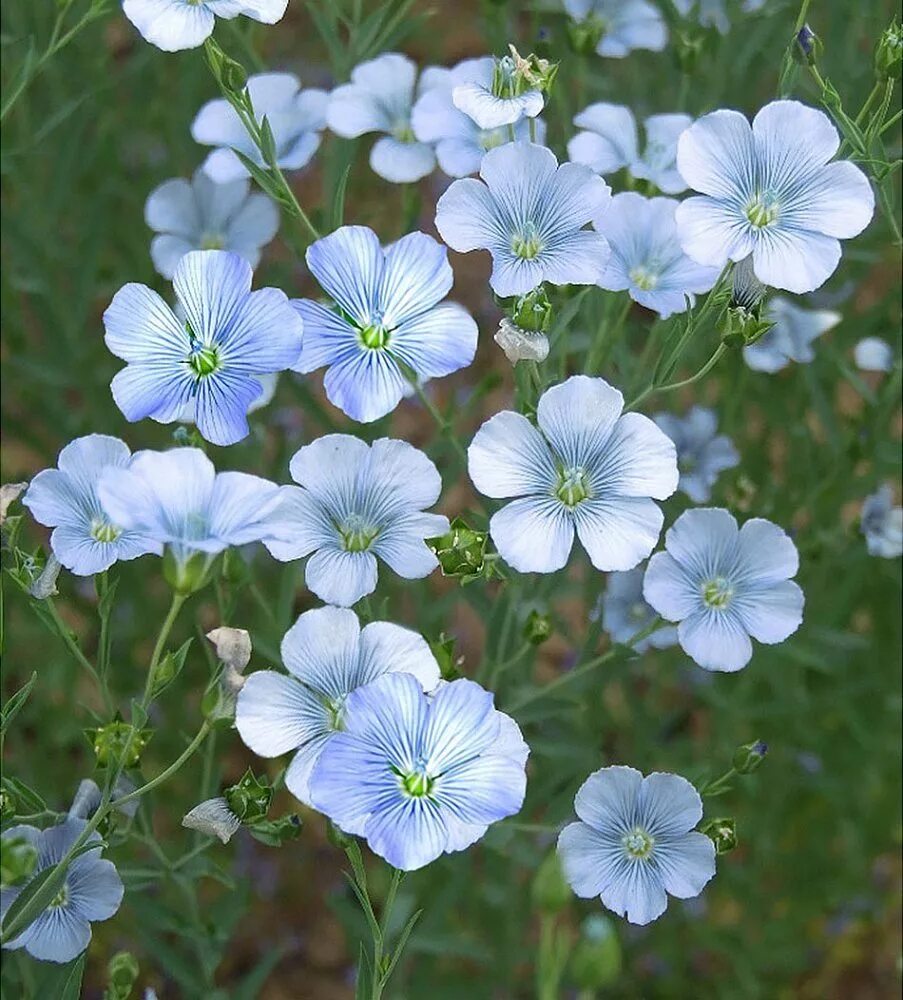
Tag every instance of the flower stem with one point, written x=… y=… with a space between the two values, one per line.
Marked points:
x=177 y=601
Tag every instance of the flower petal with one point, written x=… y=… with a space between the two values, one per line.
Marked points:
x=618 y=533
x=772 y=614
x=716 y=640
x=275 y=714
x=339 y=577
x=606 y=800
x=533 y=534
x=508 y=457
x=578 y=417
x=401 y=162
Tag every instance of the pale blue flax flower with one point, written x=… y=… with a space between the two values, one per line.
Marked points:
x=609 y=143
x=620 y=25
x=646 y=259
x=295 y=116
x=179 y=499
x=328 y=655
x=459 y=142
x=634 y=842
x=769 y=191
x=174 y=25
x=202 y=215
x=387 y=316
x=379 y=98
x=420 y=775
x=496 y=95
x=529 y=213
x=84 y=538
x=355 y=502
x=872 y=354
x=791 y=336
x=725 y=585
x=702 y=453
x=92 y=891
x=229 y=337
x=587 y=467
x=882 y=524
x=625 y=612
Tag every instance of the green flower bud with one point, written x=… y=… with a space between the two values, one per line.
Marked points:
x=461 y=551
x=18 y=860
x=748 y=757
x=807 y=46
x=188 y=437
x=533 y=312
x=8 y=804
x=336 y=837
x=122 y=972
x=118 y=742
x=275 y=832
x=889 y=52
x=529 y=72
x=550 y=891
x=743 y=326
x=250 y=799
x=449 y=661
x=596 y=959
x=188 y=575
x=722 y=832
x=537 y=628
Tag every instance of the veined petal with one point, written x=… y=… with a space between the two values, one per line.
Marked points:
x=275 y=714
x=388 y=648
x=668 y=805
x=172 y=208
x=140 y=326
x=716 y=155
x=771 y=613
x=402 y=544
x=330 y=467
x=401 y=162
x=639 y=460
x=669 y=588
x=240 y=505
x=788 y=132
x=795 y=260
x=212 y=285
x=606 y=800
x=365 y=384
x=340 y=577
x=578 y=416
x=533 y=534
x=478 y=102
x=508 y=457
x=467 y=216
x=438 y=342
x=618 y=533
x=586 y=859
x=322 y=650
x=327 y=336
x=349 y=265
x=712 y=232
x=172 y=27
x=766 y=553
x=416 y=276
x=716 y=640
x=297 y=526
x=686 y=865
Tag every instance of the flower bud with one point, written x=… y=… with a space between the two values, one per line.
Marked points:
x=122 y=973
x=449 y=661
x=186 y=575
x=8 y=804
x=250 y=799
x=519 y=344
x=550 y=891
x=596 y=959
x=807 y=46
x=889 y=52
x=748 y=757
x=119 y=743
x=722 y=832
x=45 y=585
x=743 y=326
x=461 y=551
x=9 y=492
x=18 y=860
x=531 y=72
x=537 y=628
x=214 y=818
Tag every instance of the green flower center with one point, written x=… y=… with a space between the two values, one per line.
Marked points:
x=637 y=843
x=717 y=593
x=403 y=132
x=357 y=534
x=526 y=244
x=212 y=241
x=644 y=278
x=762 y=210
x=61 y=898
x=573 y=486
x=103 y=531
x=417 y=784
x=638 y=611
x=375 y=337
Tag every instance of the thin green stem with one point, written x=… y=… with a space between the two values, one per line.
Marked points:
x=186 y=754
x=64 y=633
x=444 y=425
x=174 y=608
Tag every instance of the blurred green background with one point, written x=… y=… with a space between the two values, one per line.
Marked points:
x=808 y=906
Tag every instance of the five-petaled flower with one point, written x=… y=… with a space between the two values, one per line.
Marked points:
x=791 y=336
x=702 y=453
x=625 y=612
x=616 y=27
x=174 y=25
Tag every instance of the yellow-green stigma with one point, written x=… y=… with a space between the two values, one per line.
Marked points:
x=638 y=843
x=573 y=487
x=526 y=244
x=403 y=132
x=417 y=784
x=717 y=593
x=212 y=241
x=374 y=337
x=204 y=360
x=762 y=211
x=644 y=278
x=103 y=531
x=357 y=534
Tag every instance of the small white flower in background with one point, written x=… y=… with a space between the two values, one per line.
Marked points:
x=202 y=215
x=872 y=354
x=702 y=453
x=214 y=818
x=620 y=25
x=496 y=98
x=379 y=98
x=521 y=345
x=769 y=191
x=646 y=260
x=882 y=524
x=174 y=25
x=791 y=337
x=609 y=143
x=625 y=612
x=295 y=116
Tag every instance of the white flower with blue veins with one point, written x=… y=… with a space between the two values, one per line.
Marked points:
x=791 y=337
x=84 y=539
x=496 y=95
x=725 y=585
x=208 y=363
x=529 y=213
x=587 y=467
x=702 y=453
x=420 y=775
x=625 y=612
x=328 y=655
x=769 y=191
x=174 y=25
x=459 y=142
x=609 y=143
x=882 y=524
x=355 y=502
x=620 y=25
x=872 y=354
x=379 y=98
x=179 y=499
x=295 y=116
x=634 y=842
x=646 y=259
x=202 y=215
x=388 y=315
x=91 y=891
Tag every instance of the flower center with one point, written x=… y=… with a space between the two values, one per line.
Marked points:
x=504 y=78
x=526 y=244
x=643 y=277
x=403 y=132
x=61 y=898
x=573 y=486
x=417 y=783
x=212 y=241
x=357 y=534
x=638 y=611
x=336 y=709
x=637 y=843
x=204 y=359
x=762 y=211
x=717 y=593
x=103 y=531
x=375 y=337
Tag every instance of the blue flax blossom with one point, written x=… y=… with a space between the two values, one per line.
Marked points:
x=174 y=25
x=179 y=499
x=355 y=502
x=92 y=891
x=769 y=191
x=459 y=142
x=872 y=354
x=529 y=212
x=625 y=612
x=295 y=116
x=212 y=358
x=586 y=467
x=84 y=539
x=620 y=25
x=491 y=93
x=702 y=453
x=791 y=336
x=882 y=524
x=388 y=312
x=646 y=259
x=609 y=143
x=379 y=99
x=724 y=585
x=634 y=843
x=420 y=775
x=328 y=655
x=202 y=215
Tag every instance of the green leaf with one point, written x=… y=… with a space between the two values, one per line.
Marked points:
x=25 y=796
x=169 y=668
x=15 y=703
x=338 y=199
x=34 y=898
